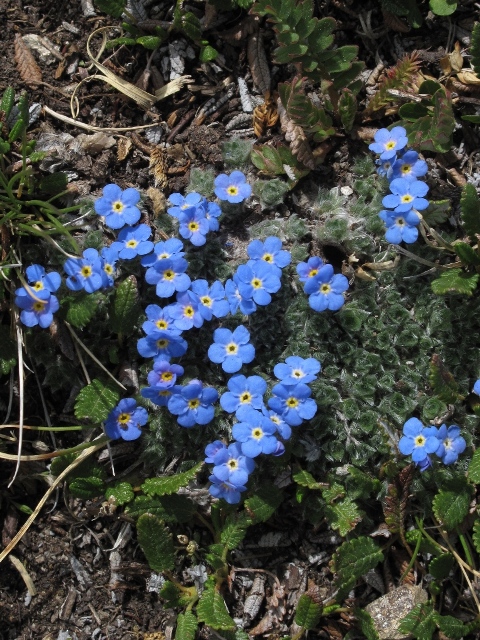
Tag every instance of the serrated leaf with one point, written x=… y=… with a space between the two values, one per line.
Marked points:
x=367 y=625
x=347 y=109
x=170 y=484
x=189 y=24
x=156 y=543
x=474 y=467
x=476 y=534
x=305 y=479
x=263 y=504
x=308 y=612
x=125 y=309
x=455 y=281
x=453 y=628
x=211 y=609
x=87 y=488
x=441 y=566
x=433 y=132
x=144 y=504
x=470 y=210
x=467 y=254
x=451 y=507
x=81 y=310
x=442 y=381
x=233 y=532
x=177 y=508
x=420 y=622
x=208 y=53
x=187 y=624
x=121 y=492
x=475 y=50
x=353 y=559
x=95 y=401
x=437 y=212
x=8 y=350
x=343 y=516
x=113 y=8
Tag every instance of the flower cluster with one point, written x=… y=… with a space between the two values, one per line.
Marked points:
x=420 y=442
x=259 y=426
x=402 y=169
x=195 y=215
x=35 y=300
x=324 y=288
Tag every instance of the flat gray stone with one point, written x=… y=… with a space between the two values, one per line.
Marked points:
x=388 y=611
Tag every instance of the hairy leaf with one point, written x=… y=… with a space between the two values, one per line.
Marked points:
x=121 y=492
x=470 y=210
x=308 y=612
x=476 y=533
x=475 y=48
x=233 y=532
x=170 y=484
x=454 y=629
x=187 y=624
x=455 y=281
x=263 y=504
x=343 y=516
x=87 y=488
x=347 y=109
x=401 y=76
x=353 y=559
x=81 y=309
x=305 y=479
x=467 y=254
x=420 y=622
x=144 y=504
x=441 y=566
x=125 y=309
x=442 y=382
x=113 y=8
x=367 y=625
x=95 y=401
x=211 y=609
x=474 y=467
x=156 y=543
x=451 y=507
x=433 y=132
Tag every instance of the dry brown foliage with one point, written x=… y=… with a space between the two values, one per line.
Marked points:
x=27 y=67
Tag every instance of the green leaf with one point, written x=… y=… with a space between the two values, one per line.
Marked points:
x=211 y=609
x=437 y=212
x=474 y=119
x=8 y=100
x=451 y=507
x=187 y=624
x=453 y=628
x=308 y=612
x=353 y=559
x=470 y=210
x=95 y=401
x=455 y=281
x=347 y=109
x=420 y=622
x=476 y=534
x=144 y=504
x=412 y=111
x=343 y=516
x=117 y=42
x=367 y=625
x=54 y=183
x=125 y=309
x=475 y=54
x=8 y=350
x=150 y=42
x=433 y=132
x=474 y=467
x=156 y=543
x=207 y=53
x=178 y=508
x=443 y=7
x=441 y=566
x=113 y=8
x=170 y=484
x=233 y=531
x=305 y=479
x=81 y=310
x=467 y=254
x=263 y=504
x=17 y=130
x=121 y=492
x=442 y=381
x=188 y=23
x=87 y=488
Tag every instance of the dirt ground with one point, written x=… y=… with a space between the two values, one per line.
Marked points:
x=92 y=579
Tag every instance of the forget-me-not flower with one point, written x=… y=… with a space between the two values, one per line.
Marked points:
x=257 y=281
x=164 y=374
x=169 y=276
x=162 y=344
x=235 y=299
x=387 y=143
x=109 y=257
x=255 y=433
x=243 y=392
x=406 y=195
x=309 y=269
x=294 y=404
x=231 y=493
x=185 y=312
x=409 y=166
x=270 y=252
x=193 y=404
x=125 y=420
x=233 y=188
x=39 y=279
x=325 y=289
x=417 y=440
x=400 y=226
x=232 y=465
x=118 y=207
x=84 y=273
x=296 y=369
x=159 y=319
x=211 y=299
x=451 y=443
x=231 y=349
x=171 y=248
x=183 y=203
x=37 y=307
x=133 y=242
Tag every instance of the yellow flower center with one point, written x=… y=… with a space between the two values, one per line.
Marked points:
x=232 y=190
x=233 y=464
x=188 y=311
x=38 y=286
x=447 y=443
x=325 y=288
x=232 y=348
x=420 y=441
x=163 y=256
x=194 y=404
x=391 y=144
x=267 y=257
x=297 y=373
x=86 y=271
x=206 y=301
x=108 y=269
x=312 y=273
x=131 y=244
x=168 y=274
x=124 y=419
x=38 y=306
x=193 y=226
x=166 y=376
x=162 y=343
x=400 y=222
x=257 y=433
x=164 y=394
x=292 y=402
x=275 y=419
x=406 y=168
x=406 y=198
x=246 y=397
x=161 y=324
x=256 y=283
x=117 y=206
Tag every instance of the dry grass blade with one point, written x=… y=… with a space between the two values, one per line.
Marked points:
x=27 y=67
x=258 y=63
x=20 y=567
x=296 y=137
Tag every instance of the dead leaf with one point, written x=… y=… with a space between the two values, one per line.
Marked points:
x=241 y=31
x=28 y=69
x=264 y=116
x=158 y=166
x=394 y=23
x=456 y=58
x=123 y=148
x=258 y=63
x=468 y=77
x=296 y=137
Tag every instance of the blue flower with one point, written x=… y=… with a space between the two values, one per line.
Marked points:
x=157 y=395
x=243 y=392
x=231 y=349
x=193 y=404
x=476 y=387
x=162 y=344
x=325 y=289
x=37 y=307
x=297 y=370
x=235 y=299
x=211 y=299
x=401 y=226
x=169 y=276
x=40 y=280
x=406 y=195
x=159 y=319
x=118 y=206
x=125 y=420
x=293 y=403
x=226 y=490
x=233 y=188
x=109 y=257
x=133 y=242
x=84 y=273
x=232 y=465
x=257 y=281
x=409 y=166
x=212 y=213
x=418 y=440
x=194 y=226
x=451 y=443
x=387 y=143
x=309 y=269
x=164 y=375
x=278 y=421
x=182 y=204
x=212 y=449
x=255 y=433
x=185 y=312
x=270 y=252
x=171 y=248
x=385 y=167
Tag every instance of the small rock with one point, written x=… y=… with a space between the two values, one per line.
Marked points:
x=346 y=191
x=388 y=611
